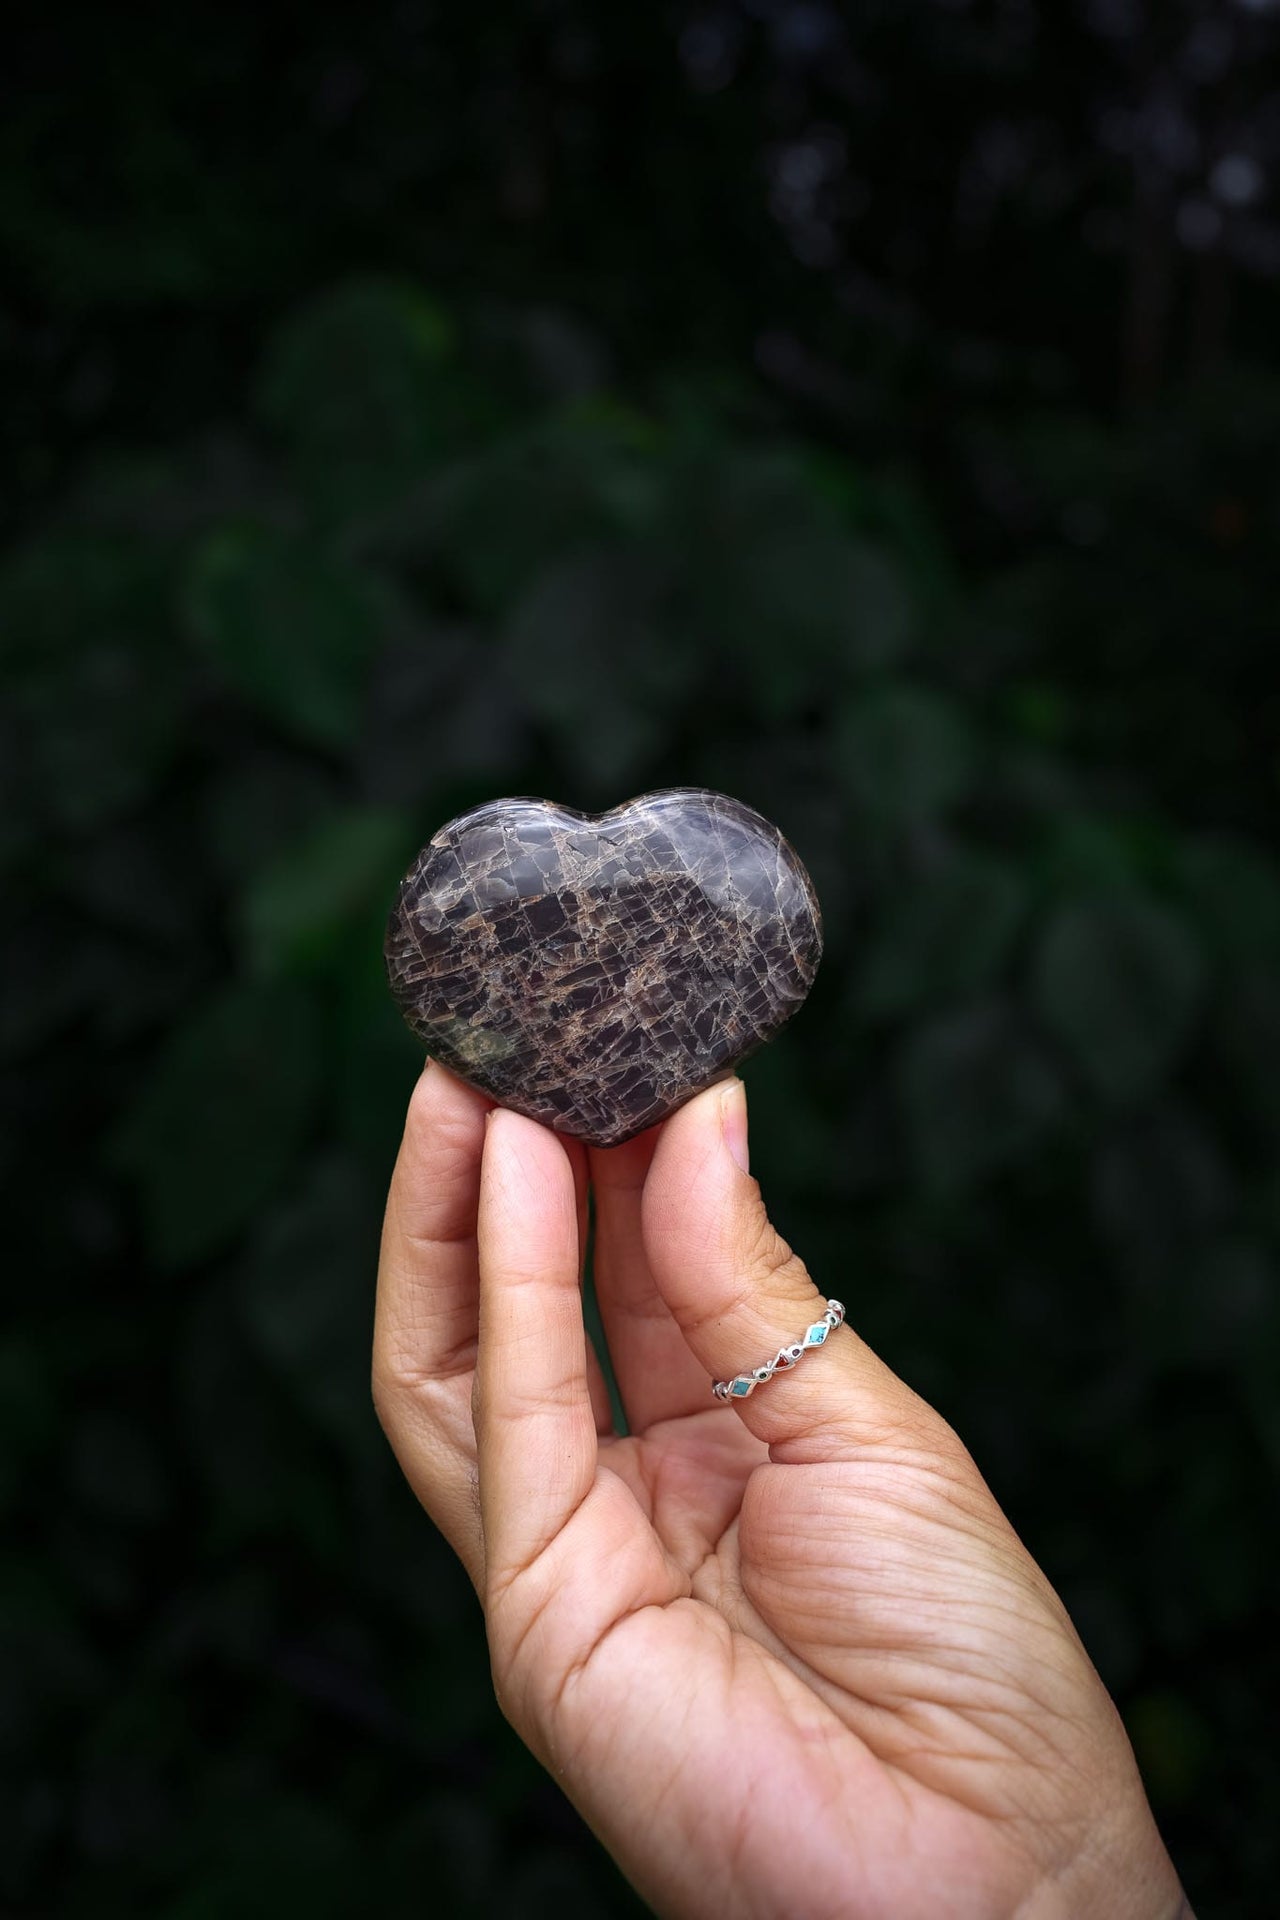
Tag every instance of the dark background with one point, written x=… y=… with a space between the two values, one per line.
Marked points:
x=871 y=411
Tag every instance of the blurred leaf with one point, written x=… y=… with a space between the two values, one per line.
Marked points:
x=552 y=1881
x=30 y=1413
x=260 y=804
x=977 y=1094
x=1245 y=1024
x=1040 y=712
x=117 y=985
x=600 y=609
x=363 y=386
x=376 y=1058
x=115 y=1469
x=1172 y=1745
x=139 y=878
x=1094 y=853
x=1234 y=891
x=1118 y=980
x=452 y=1841
x=306 y=1296
x=1161 y=1188
x=905 y=753
x=220 y=1119
x=45 y=987
x=169 y=495
x=793 y=603
x=280 y=1854
x=799 y=610
x=257 y=1464
x=443 y=710
x=1232 y=1297
x=944 y=932
x=882 y=607
x=51 y=1669
x=788 y=1134
x=500 y=518
x=93 y=672
x=291 y=627
x=293 y=912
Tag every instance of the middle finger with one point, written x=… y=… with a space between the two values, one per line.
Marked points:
x=658 y=1378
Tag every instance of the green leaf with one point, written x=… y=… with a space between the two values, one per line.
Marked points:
x=1160 y=1189
x=258 y=1469
x=604 y=604
x=1175 y=1749
x=1234 y=892
x=977 y=1094
x=306 y=1296
x=281 y=1852
x=794 y=605
x=292 y=628
x=115 y=1469
x=1090 y=853
x=1118 y=980
x=295 y=910
x=375 y=1058
x=905 y=753
x=1245 y=1024
x=1234 y=1302
x=800 y=609
x=500 y=519
x=362 y=387
x=258 y=805
x=943 y=933
x=218 y=1123
x=93 y=672
x=46 y=986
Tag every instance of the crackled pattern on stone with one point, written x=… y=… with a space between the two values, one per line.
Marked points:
x=595 y=970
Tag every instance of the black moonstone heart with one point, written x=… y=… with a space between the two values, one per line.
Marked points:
x=595 y=970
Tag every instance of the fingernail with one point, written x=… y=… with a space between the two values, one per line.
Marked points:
x=733 y=1123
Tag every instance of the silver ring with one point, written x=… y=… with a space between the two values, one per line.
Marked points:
x=744 y=1384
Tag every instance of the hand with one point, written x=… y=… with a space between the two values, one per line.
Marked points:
x=787 y=1657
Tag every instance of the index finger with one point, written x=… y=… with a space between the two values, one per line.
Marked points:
x=425 y=1321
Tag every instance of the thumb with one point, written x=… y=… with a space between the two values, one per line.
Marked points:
x=739 y=1294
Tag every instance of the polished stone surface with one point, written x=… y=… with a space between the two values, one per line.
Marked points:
x=595 y=970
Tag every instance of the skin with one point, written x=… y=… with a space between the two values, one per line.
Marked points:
x=787 y=1657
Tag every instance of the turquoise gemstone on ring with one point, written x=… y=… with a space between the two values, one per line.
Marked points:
x=815 y=1336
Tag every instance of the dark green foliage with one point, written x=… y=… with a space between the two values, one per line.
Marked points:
x=1118 y=981
x=1029 y=1115
x=287 y=627
x=220 y=1119
x=468 y=423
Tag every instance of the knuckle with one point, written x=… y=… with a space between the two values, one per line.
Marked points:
x=766 y=1255
x=442 y=1126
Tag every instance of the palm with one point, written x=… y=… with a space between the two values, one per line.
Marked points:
x=707 y=1609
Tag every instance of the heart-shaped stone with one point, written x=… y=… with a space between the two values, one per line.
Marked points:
x=595 y=970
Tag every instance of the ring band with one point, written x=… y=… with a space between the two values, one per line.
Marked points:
x=744 y=1384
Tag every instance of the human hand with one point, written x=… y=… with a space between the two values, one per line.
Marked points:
x=788 y=1658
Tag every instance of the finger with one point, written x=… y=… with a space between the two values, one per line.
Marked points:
x=738 y=1294
x=424 y=1340
x=658 y=1377
x=534 y=1423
